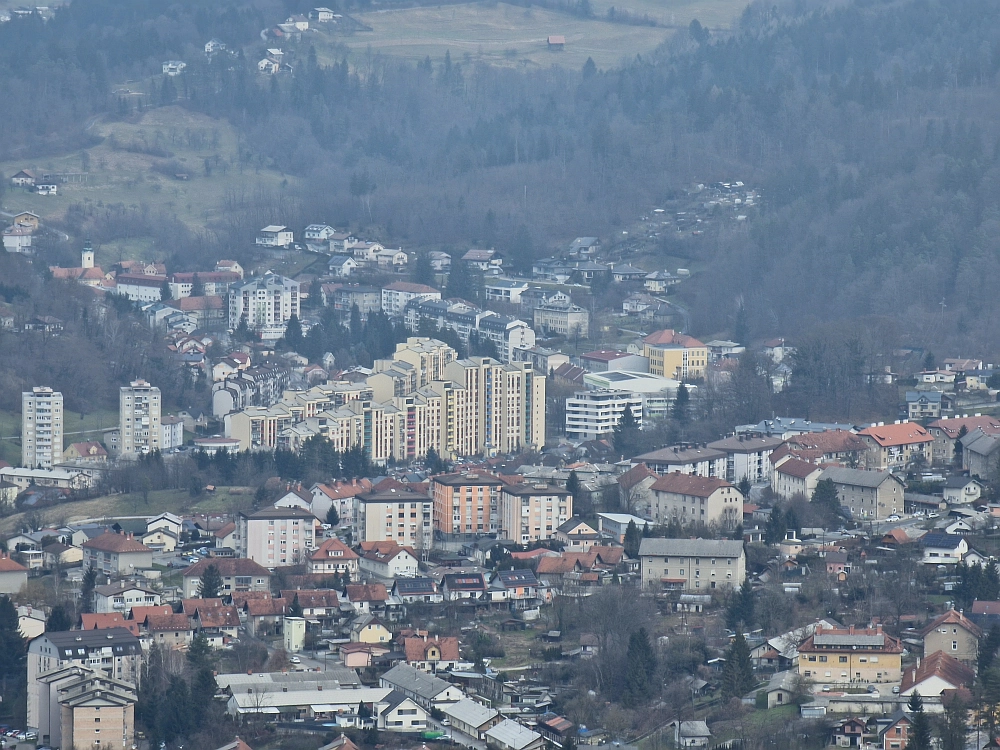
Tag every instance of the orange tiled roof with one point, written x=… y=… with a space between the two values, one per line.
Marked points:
x=904 y=433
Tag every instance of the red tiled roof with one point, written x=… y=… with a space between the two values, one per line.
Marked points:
x=345 y=489
x=10 y=566
x=177 y=621
x=793 y=467
x=951 y=617
x=687 y=484
x=190 y=606
x=636 y=474
x=312 y=598
x=940 y=665
x=985 y=608
x=370 y=592
x=139 y=614
x=105 y=620
x=263 y=607
x=828 y=441
x=416 y=648
x=89 y=449
x=227 y=567
x=669 y=336
x=109 y=541
x=333 y=545
x=219 y=617
x=226 y=530
x=904 y=433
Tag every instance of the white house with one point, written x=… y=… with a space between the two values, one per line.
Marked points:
x=388 y=560
x=275 y=236
x=342 y=265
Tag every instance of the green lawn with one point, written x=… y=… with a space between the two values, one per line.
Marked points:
x=119 y=175
x=223 y=500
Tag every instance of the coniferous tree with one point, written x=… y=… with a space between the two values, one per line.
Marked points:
x=197 y=287
x=920 y=725
x=461 y=281
x=988 y=650
x=87 y=590
x=295 y=609
x=774 y=531
x=211 y=583
x=332 y=517
x=633 y=538
x=58 y=620
x=200 y=651
x=737 y=676
x=13 y=646
x=681 y=404
x=293 y=334
x=640 y=667
x=627 y=436
x=165 y=294
x=423 y=272
x=573 y=485
x=825 y=497
x=355 y=325
x=955 y=726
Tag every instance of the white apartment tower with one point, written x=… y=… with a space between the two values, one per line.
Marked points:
x=41 y=428
x=267 y=302
x=139 y=418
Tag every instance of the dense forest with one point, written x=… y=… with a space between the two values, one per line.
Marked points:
x=869 y=126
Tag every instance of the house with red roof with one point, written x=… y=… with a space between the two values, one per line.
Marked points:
x=13 y=575
x=934 y=675
x=894 y=447
x=333 y=557
x=954 y=634
x=948 y=431
x=437 y=654
x=106 y=620
x=675 y=355
x=792 y=476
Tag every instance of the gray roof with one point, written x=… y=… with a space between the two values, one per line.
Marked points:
x=848 y=639
x=470 y=712
x=511 y=734
x=960 y=482
x=746 y=444
x=694 y=729
x=933 y=397
x=416 y=681
x=679 y=455
x=856 y=477
x=69 y=643
x=690 y=547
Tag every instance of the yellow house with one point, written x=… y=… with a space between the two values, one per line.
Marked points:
x=850 y=655
x=160 y=539
x=675 y=355
x=368 y=629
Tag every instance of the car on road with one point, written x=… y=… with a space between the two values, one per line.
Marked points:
x=932 y=515
x=294 y=660
x=893 y=517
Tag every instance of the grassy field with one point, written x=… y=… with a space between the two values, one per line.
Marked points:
x=510 y=35
x=119 y=175
x=223 y=500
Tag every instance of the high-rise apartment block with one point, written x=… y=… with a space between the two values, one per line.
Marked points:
x=422 y=399
x=41 y=428
x=467 y=503
x=139 y=419
x=266 y=304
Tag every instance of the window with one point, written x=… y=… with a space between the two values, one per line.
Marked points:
x=954 y=645
x=822 y=659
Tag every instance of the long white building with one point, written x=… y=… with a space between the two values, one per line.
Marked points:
x=41 y=428
x=594 y=414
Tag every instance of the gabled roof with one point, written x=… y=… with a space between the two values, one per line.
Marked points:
x=670 y=337
x=112 y=542
x=904 y=433
x=10 y=566
x=793 y=467
x=940 y=665
x=266 y=607
x=191 y=606
x=415 y=587
x=951 y=617
x=177 y=621
x=516 y=578
x=512 y=734
x=953 y=426
x=942 y=541
x=689 y=484
x=227 y=567
x=106 y=620
x=690 y=547
x=326 y=551
x=636 y=474
x=370 y=592
x=415 y=681
x=312 y=598
x=416 y=648
x=139 y=614
x=225 y=616
x=470 y=712
x=857 y=477
x=464 y=582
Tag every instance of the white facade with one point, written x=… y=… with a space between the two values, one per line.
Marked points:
x=139 y=419
x=276 y=536
x=592 y=414
x=139 y=288
x=396 y=295
x=41 y=428
x=275 y=236
x=173 y=432
x=396 y=564
x=402 y=517
x=269 y=301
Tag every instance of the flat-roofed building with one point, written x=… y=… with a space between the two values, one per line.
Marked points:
x=466 y=503
x=533 y=512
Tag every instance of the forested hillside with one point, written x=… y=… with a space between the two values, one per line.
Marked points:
x=870 y=128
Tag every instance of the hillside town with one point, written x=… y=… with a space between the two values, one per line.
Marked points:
x=498 y=530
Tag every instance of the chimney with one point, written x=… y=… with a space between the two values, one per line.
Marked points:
x=852 y=630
